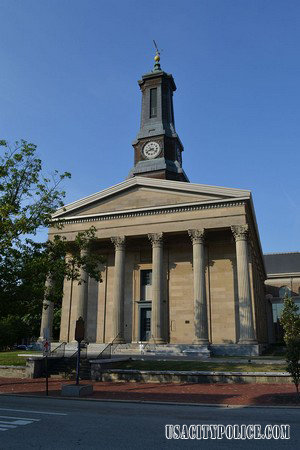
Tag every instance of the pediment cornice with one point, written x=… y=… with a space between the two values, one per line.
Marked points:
x=167 y=185
x=196 y=206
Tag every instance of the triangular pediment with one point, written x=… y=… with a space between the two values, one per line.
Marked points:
x=140 y=193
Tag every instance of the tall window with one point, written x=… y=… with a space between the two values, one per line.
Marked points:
x=153 y=102
x=146 y=285
x=283 y=291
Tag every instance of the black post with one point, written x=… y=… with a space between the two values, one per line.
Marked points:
x=46 y=367
x=78 y=364
x=79 y=336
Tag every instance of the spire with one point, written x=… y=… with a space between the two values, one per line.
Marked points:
x=156 y=59
x=157 y=147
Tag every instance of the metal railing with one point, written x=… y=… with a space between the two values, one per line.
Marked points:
x=59 y=351
x=83 y=352
x=150 y=345
x=108 y=351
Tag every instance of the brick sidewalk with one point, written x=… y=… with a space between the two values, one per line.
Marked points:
x=223 y=394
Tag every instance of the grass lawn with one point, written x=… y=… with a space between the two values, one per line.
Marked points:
x=12 y=358
x=200 y=365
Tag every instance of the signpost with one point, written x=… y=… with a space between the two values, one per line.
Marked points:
x=79 y=336
x=46 y=348
x=46 y=353
x=77 y=390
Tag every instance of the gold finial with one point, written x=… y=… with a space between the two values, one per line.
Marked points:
x=156 y=57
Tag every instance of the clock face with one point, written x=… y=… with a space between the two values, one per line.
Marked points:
x=151 y=150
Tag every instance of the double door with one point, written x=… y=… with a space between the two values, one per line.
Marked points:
x=145 y=324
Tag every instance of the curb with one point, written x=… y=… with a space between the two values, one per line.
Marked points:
x=149 y=402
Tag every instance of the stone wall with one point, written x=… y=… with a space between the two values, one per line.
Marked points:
x=189 y=377
x=13 y=371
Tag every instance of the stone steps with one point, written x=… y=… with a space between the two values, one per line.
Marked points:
x=134 y=348
x=168 y=349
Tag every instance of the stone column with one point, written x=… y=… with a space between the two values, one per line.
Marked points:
x=82 y=290
x=47 y=313
x=240 y=233
x=200 y=302
x=157 y=288
x=119 y=285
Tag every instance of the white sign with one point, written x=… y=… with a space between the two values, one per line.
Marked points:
x=46 y=348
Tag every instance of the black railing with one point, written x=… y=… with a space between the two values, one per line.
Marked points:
x=109 y=349
x=83 y=352
x=59 y=351
x=150 y=346
x=105 y=353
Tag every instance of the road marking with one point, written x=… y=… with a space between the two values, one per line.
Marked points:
x=6 y=425
x=18 y=422
x=21 y=418
x=33 y=412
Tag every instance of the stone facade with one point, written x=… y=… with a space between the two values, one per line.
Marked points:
x=183 y=262
x=207 y=268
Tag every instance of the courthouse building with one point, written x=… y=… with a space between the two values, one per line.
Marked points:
x=184 y=266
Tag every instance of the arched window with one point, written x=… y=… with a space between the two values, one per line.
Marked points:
x=283 y=291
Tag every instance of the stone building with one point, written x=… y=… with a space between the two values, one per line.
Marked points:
x=184 y=266
x=283 y=277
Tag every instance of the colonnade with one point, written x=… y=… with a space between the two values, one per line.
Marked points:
x=201 y=334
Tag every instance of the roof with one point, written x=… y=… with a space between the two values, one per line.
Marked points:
x=178 y=186
x=282 y=263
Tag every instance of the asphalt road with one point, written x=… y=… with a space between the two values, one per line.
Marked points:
x=61 y=424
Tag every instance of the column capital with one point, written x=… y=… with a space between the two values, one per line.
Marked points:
x=84 y=252
x=68 y=257
x=197 y=236
x=119 y=242
x=240 y=232
x=49 y=284
x=49 y=281
x=156 y=239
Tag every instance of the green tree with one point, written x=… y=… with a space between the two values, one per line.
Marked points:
x=22 y=286
x=27 y=197
x=290 y=320
x=27 y=201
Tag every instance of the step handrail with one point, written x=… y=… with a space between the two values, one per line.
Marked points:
x=62 y=345
x=108 y=346
x=149 y=344
x=83 y=353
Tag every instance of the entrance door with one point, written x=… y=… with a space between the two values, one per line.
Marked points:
x=145 y=324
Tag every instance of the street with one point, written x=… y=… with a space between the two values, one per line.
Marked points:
x=62 y=424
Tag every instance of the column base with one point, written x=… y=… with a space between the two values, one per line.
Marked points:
x=247 y=342
x=157 y=341
x=42 y=339
x=119 y=340
x=199 y=341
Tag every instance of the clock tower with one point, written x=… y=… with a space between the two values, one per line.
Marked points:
x=157 y=147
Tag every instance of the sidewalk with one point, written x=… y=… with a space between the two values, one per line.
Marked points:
x=221 y=394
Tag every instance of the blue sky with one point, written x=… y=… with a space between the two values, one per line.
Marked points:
x=68 y=83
